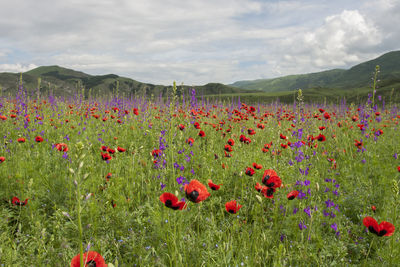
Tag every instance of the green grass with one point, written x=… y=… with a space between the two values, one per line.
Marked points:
x=141 y=230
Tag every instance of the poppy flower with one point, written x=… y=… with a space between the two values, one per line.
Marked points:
x=91 y=258
x=251 y=131
x=257 y=166
x=382 y=229
x=2 y=159
x=39 y=139
x=228 y=148
x=258 y=187
x=321 y=110
x=268 y=192
x=320 y=138
x=156 y=153
x=120 y=149
x=213 y=186
x=232 y=206
x=104 y=148
x=190 y=141
x=202 y=133
x=242 y=138
x=398 y=168
x=105 y=156
x=62 y=147
x=321 y=128
x=292 y=195
x=16 y=202
x=108 y=176
x=136 y=111
x=281 y=136
x=110 y=150
x=21 y=140
x=358 y=144
x=267 y=174
x=373 y=208
x=196 y=191
x=181 y=127
x=171 y=201
x=249 y=171
x=327 y=116
x=231 y=142
x=196 y=125
x=273 y=181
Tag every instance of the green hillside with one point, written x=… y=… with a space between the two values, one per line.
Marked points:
x=66 y=82
x=357 y=76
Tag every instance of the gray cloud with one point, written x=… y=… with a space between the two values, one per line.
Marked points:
x=195 y=41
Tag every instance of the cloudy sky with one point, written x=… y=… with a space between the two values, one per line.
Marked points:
x=196 y=41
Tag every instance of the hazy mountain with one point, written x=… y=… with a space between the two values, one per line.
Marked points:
x=357 y=76
x=65 y=82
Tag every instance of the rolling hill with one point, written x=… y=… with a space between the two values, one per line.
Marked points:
x=67 y=82
x=355 y=77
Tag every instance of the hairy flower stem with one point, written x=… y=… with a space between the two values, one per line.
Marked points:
x=374 y=85
x=79 y=223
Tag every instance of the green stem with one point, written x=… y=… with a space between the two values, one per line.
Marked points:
x=79 y=223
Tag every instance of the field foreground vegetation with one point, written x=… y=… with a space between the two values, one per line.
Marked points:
x=185 y=182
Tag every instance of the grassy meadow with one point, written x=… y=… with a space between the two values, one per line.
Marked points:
x=90 y=174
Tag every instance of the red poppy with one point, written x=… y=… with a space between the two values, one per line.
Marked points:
x=228 y=148
x=196 y=125
x=39 y=139
x=282 y=136
x=257 y=166
x=249 y=171
x=327 y=116
x=181 y=127
x=21 y=140
x=267 y=174
x=273 y=181
x=268 y=192
x=292 y=195
x=120 y=149
x=322 y=128
x=156 y=153
x=258 y=187
x=321 y=110
x=108 y=176
x=382 y=229
x=105 y=156
x=251 y=131
x=232 y=206
x=62 y=147
x=104 y=148
x=231 y=142
x=398 y=168
x=358 y=144
x=91 y=258
x=110 y=150
x=2 y=159
x=190 y=141
x=16 y=202
x=320 y=138
x=196 y=191
x=373 y=208
x=171 y=201
x=202 y=133
x=260 y=126
x=213 y=186
x=136 y=111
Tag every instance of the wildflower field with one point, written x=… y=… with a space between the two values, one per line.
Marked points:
x=182 y=181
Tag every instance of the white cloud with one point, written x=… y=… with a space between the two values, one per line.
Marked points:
x=16 y=67
x=196 y=41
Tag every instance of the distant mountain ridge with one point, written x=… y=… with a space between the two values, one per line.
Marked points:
x=66 y=82
x=357 y=76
